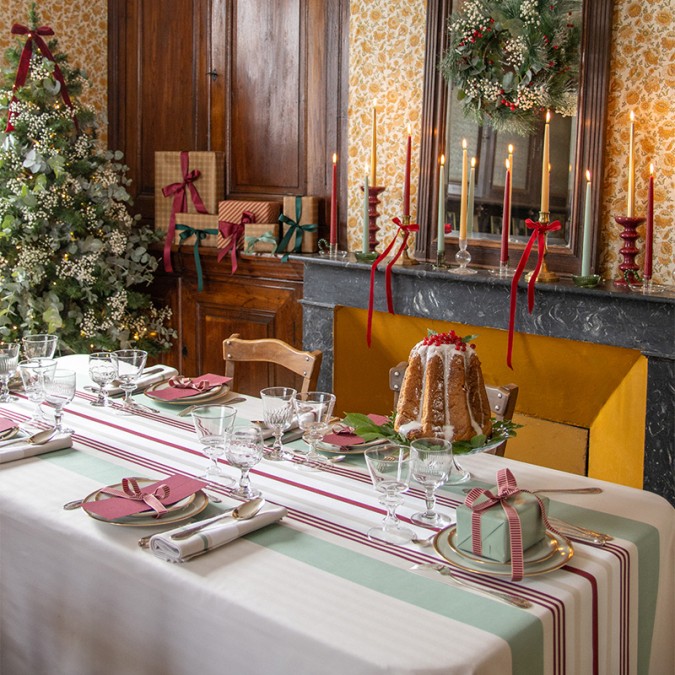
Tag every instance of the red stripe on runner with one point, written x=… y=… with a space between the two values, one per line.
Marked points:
x=594 y=593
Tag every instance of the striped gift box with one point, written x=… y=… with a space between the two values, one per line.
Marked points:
x=232 y=210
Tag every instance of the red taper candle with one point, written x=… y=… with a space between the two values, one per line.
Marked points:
x=406 y=180
x=333 y=204
x=504 y=256
x=649 y=227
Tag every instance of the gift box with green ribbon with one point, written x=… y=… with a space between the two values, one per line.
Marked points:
x=261 y=237
x=299 y=223
x=198 y=230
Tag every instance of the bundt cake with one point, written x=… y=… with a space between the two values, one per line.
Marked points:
x=443 y=393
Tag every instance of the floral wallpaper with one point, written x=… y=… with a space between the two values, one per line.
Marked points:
x=82 y=31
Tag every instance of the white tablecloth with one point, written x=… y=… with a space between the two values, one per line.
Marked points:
x=312 y=594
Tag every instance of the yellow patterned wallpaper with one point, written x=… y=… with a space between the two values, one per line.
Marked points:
x=82 y=31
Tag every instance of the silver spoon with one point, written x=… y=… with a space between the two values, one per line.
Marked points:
x=39 y=438
x=242 y=512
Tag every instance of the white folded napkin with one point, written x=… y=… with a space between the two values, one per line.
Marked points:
x=215 y=535
x=23 y=450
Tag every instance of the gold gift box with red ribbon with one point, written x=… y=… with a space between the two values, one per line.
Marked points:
x=232 y=211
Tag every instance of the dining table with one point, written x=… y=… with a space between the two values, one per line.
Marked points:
x=310 y=593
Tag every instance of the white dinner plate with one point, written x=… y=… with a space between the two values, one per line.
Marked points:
x=548 y=555
x=218 y=391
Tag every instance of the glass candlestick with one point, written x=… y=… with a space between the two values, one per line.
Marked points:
x=463 y=258
x=504 y=271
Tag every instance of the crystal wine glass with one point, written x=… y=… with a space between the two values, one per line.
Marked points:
x=213 y=423
x=130 y=364
x=9 y=360
x=103 y=369
x=244 y=450
x=39 y=346
x=34 y=373
x=390 y=467
x=278 y=413
x=60 y=390
x=314 y=410
x=432 y=462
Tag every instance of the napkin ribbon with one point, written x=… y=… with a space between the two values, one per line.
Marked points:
x=35 y=37
x=187 y=231
x=131 y=490
x=189 y=383
x=406 y=229
x=233 y=234
x=506 y=488
x=293 y=227
x=180 y=204
x=539 y=231
x=266 y=238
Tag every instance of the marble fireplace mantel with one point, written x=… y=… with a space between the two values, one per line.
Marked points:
x=604 y=315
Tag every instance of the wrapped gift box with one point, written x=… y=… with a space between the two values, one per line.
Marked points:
x=210 y=184
x=309 y=215
x=198 y=221
x=231 y=211
x=254 y=231
x=494 y=527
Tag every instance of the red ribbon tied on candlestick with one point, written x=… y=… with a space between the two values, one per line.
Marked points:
x=539 y=231
x=35 y=37
x=506 y=488
x=180 y=203
x=406 y=229
x=233 y=233
x=131 y=490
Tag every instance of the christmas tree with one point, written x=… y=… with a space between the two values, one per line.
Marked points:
x=73 y=260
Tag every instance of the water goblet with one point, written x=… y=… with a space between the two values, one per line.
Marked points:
x=314 y=410
x=60 y=390
x=213 y=424
x=390 y=467
x=130 y=364
x=278 y=414
x=103 y=369
x=39 y=346
x=244 y=449
x=432 y=462
x=34 y=373
x=457 y=474
x=9 y=360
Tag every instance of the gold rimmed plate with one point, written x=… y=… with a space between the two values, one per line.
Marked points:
x=550 y=554
x=181 y=510
x=204 y=397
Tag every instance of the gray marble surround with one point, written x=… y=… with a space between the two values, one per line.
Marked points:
x=603 y=315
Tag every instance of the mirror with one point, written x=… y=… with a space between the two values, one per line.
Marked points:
x=579 y=139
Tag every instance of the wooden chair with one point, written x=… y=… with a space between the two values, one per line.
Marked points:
x=502 y=399
x=278 y=352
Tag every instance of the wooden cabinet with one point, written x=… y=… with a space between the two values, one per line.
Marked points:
x=260 y=300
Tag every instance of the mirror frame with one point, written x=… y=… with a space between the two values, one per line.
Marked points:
x=591 y=113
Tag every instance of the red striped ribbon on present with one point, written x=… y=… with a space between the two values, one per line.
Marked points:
x=131 y=490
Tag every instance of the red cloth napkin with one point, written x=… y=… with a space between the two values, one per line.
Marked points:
x=378 y=419
x=180 y=487
x=173 y=393
x=343 y=440
x=6 y=424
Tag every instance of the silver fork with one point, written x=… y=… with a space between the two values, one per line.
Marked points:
x=510 y=598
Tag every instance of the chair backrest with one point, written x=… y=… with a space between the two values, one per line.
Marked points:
x=502 y=399
x=278 y=352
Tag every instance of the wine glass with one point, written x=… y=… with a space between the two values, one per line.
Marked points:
x=103 y=369
x=9 y=360
x=39 y=346
x=244 y=450
x=389 y=467
x=130 y=364
x=60 y=390
x=314 y=410
x=277 y=414
x=34 y=373
x=213 y=423
x=432 y=462
x=457 y=474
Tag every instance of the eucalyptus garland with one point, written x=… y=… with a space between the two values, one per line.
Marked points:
x=509 y=60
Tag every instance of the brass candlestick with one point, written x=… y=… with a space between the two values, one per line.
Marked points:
x=545 y=275
x=405 y=259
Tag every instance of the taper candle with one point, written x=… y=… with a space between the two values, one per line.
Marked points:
x=365 y=244
x=469 y=199
x=441 y=207
x=508 y=218
x=406 y=178
x=545 y=165
x=649 y=227
x=586 y=245
x=462 y=193
x=630 y=208
x=504 y=253
x=333 y=203
x=373 y=147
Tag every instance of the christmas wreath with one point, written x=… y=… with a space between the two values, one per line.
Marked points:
x=511 y=59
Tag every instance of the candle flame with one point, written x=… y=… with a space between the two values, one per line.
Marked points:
x=548 y=116
x=442 y=160
x=549 y=167
x=651 y=169
x=473 y=162
x=510 y=149
x=335 y=158
x=374 y=103
x=632 y=116
x=409 y=130
x=588 y=175
x=507 y=164
x=464 y=143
